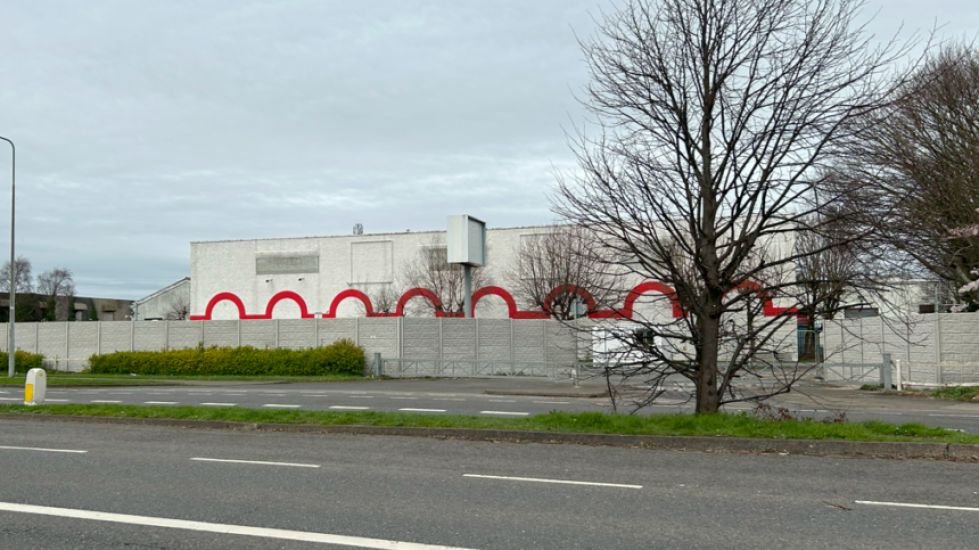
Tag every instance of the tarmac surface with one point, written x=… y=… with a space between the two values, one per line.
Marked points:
x=508 y=397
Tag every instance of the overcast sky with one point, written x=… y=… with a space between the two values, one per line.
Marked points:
x=142 y=125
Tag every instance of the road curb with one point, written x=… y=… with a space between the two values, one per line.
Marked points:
x=868 y=449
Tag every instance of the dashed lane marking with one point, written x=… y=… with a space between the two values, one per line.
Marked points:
x=279 y=406
x=506 y=413
x=343 y=408
x=559 y=481
x=160 y=402
x=423 y=410
x=262 y=462
x=910 y=505
x=218 y=404
x=40 y=449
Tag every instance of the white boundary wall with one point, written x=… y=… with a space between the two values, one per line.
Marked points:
x=68 y=345
x=934 y=350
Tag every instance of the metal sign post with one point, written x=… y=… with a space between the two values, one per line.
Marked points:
x=465 y=244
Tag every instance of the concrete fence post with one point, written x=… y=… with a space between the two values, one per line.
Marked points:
x=378 y=364
x=98 y=337
x=276 y=325
x=938 y=347
x=885 y=371
x=132 y=336
x=238 y=341
x=67 y=345
x=900 y=375
x=166 y=335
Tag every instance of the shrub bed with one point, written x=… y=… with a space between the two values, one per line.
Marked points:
x=342 y=357
x=24 y=361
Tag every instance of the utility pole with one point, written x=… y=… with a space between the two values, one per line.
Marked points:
x=13 y=265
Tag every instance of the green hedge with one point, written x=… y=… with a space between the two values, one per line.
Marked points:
x=342 y=357
x=23 y=361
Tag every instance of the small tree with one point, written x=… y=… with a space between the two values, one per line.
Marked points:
x=553 y=262
x=178 y=308
x=57 y=287
x=431 y=270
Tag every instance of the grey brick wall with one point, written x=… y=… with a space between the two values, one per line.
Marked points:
x=411 y=338
x=933 y=350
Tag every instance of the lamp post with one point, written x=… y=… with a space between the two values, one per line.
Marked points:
x=13 y=265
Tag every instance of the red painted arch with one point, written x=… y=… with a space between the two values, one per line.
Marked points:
x=511 y=304
x=217 y=299
x=649 y=286
x=288 y=295
x=349 y=293
x=414 y=293
x=570 y=289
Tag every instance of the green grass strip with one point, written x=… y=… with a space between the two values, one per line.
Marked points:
x=89 y=379
x=734 y=425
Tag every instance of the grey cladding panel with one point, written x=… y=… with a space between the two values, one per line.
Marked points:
x=276 y=265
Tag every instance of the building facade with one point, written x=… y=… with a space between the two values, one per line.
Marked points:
x=341 y=276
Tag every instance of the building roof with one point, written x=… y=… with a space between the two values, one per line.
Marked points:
x=162 y=290
x=408 y=232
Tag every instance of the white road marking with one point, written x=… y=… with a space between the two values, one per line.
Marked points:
x=561 y=481
x=222 y=528
x=57 y=400
x=218 y=404
x=11 y=398
x=505 y=412
x=553 y=402
x=502 y=401
x=160 y=402
x=424 y=410
x=447 y=399
x=341 y=407
x=278 y=406
x=262 y=462
x=119 y=393
x=40 y=449
x=361 y=396
x=908 y=505
x=954 y=415
x=106 y=401
x=404 y=398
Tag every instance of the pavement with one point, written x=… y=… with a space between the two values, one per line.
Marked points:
x=107 y=487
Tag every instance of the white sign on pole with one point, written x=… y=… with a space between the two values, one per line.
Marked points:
x=466 y=241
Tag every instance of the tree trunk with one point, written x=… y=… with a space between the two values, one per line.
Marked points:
x=708 y=400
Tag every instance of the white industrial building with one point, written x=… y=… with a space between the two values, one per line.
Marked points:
x=335 y=276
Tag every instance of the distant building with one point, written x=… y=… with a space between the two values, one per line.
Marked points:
x=37 y=307
x=168 y=303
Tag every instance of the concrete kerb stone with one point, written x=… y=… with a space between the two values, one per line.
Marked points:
x=868 y=449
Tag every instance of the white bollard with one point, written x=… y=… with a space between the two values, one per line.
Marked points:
x=37 y=386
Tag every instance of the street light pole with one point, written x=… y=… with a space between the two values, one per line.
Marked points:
x=13 y=266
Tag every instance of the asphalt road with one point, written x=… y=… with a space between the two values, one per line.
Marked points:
x=472 y=495
x=469 y=397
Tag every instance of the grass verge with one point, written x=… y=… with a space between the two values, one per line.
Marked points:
x=586 y=422
x=89 y=379
x=961 y=393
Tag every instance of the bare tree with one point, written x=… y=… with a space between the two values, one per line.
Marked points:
x=714 y=121
x=57 y=287
x=178 y=308
x=828 y=273
x=913 y=170
x=25 y=280
x=431 y=270
x=555 y=261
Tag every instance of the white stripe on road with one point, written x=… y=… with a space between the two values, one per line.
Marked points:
x=561 y=481
x=58 y=400
x=218 y=404
x=505 y=412
x=341 y=407
x=11 y=399
x=361 y=396
x=404 y=398
x=106 y=401
x=278 y=406
x=553 y=402
x=424 y=410
x=262 y=462
x=502 y=401
x=908 y=505
x=447 y=399
x=39 y=449
x=160 y=402
x=222 y=528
